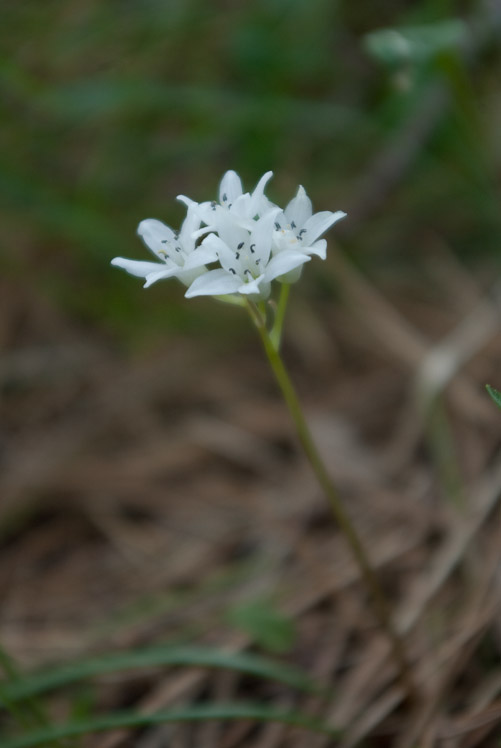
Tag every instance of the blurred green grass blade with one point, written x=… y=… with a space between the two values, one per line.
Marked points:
x=197 y=713
x=94 y=99
x=250 y=664
x=27 y=714
x=495 y=394
x=24 y=191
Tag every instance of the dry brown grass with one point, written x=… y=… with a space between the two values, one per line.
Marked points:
x=142 y=498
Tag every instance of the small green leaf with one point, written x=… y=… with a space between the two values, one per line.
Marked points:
x=268 y=627
x=197 y=713
x=416 y=44
x=495 y=394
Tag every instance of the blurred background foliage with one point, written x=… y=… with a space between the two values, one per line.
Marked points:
x=388 y=110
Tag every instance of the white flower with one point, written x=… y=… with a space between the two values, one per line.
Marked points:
x=298 y=229
x=247 y=267
x=176 y=251
x=244 y=207
x=249 y=242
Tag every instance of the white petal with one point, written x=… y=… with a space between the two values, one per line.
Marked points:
x=241 y=206
x=186 y=200
x=253 y=287
x=283 y=241
x=230 y=230
x=137 y=267
x=207 y=211
x=259 y=189
x=156 y=235
x=266 y=205
x=262 y=235
x=230 y=188
x=292 y=276
x=214 y=283
x=299 y=209
x=214 y=243
x=229 y=262
x=202 y=210
x=202 y=255
x=222 y=252
x=258 y=201
x=187 y=277
x=283 y=262
x=318 y=248
x=190 y=224
x=319 y=223
x=160 y=275
x=200 y=232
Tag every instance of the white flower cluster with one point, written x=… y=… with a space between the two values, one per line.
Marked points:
x=236 y=246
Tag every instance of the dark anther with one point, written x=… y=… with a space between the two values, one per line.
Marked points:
x=293 y=225
x=237 y=255
x=178 y=249
x=233 y=271
x=164 y=241
x=277 y=226
x=225 y=197
x=303 y=231
x=240 y=245
x=252 y=248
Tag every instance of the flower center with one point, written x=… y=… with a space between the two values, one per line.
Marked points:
x=173 y=253
x=247 y=262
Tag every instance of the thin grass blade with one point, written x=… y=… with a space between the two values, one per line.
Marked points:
x=249 y=664
x=190 y=714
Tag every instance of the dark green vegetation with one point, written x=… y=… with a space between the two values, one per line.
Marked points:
x=111 y=109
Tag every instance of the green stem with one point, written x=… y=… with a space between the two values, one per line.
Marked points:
x=381 y=607
x=276 y=331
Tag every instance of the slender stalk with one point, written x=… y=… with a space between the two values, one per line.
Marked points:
x=276 y=331
x=381 y=607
